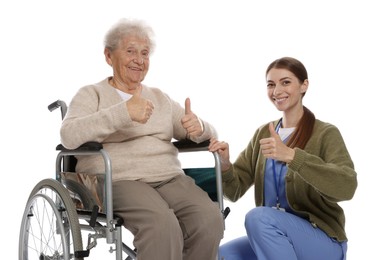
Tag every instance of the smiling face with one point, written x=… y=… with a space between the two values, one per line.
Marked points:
x=130 y=62
x=285 y=90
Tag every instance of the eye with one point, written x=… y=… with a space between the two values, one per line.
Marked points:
x=131 y=51
x=286 y=82
x=270 y=85
x=145 y=54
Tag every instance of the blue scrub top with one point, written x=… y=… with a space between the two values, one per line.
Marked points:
x=274 y=178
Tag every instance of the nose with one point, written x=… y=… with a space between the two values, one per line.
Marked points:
x=277 y=89
x=138 y=60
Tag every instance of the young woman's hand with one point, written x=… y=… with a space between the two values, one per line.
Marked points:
x=223 y=149
x=274 y=148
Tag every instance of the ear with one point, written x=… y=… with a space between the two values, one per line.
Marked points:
x=304 y=86
x=107 y=55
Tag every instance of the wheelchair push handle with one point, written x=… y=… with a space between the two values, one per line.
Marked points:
x=58 y=103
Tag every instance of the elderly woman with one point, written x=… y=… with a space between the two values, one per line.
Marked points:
x=169 y=216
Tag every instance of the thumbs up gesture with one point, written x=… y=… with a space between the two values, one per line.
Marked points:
x=191 y=122
x=274 y=148
x=139 y=108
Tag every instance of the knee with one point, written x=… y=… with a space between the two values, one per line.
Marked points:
x=210 y=223
x=162 y=223
x=158 y=236
x=238 y=248
x=255 y=217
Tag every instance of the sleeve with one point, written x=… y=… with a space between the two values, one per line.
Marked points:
x=331 y=172
x=90 y=118
x=241 y=176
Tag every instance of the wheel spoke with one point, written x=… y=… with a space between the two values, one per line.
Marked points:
x=46 y=230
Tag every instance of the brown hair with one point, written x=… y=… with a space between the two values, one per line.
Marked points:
x=305 y=125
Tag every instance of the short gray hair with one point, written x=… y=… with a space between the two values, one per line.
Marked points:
x=124 y=28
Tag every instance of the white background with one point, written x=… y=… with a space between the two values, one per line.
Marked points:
x=214 y=52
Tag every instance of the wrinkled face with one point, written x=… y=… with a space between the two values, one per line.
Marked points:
x=284 y=89
x=130 y=61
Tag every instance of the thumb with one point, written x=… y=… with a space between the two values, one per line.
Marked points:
x=272 y=131
x=137 y=91
x=188 y=106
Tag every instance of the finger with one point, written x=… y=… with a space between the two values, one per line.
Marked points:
x=188 y=106
x=272 y=131
x=137 y=91
x=212 y=143
x=219 y=146
x=216 y=147
x=150 y=106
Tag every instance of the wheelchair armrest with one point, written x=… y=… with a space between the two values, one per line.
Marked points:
x=183 y=146
x=89 y=146
x=187 y=145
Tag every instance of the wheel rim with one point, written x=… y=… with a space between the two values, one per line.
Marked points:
x=44 y=220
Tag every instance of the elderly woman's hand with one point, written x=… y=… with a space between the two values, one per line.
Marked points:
x=191 y=122
x=139 y=109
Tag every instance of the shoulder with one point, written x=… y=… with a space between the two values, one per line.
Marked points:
x=264 y=128
x=102 y=85
x=261 y=132
x=153 y=91
x=96 y=87
x=157 y=95
x=321 y=126
x=96 y=91
x=324 y=132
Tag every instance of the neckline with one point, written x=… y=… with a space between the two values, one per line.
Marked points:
x=284 y=132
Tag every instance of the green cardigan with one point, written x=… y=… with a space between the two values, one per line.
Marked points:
x=317 y=178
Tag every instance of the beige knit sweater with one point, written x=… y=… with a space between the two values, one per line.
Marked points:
x=138 y=151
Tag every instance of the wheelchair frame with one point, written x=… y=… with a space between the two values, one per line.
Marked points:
x=52 y=202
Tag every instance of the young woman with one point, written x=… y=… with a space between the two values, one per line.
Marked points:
x=300 y=169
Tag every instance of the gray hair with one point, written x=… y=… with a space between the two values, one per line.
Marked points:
x=124 y=28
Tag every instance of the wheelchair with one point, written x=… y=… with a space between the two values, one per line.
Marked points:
x=62 y=212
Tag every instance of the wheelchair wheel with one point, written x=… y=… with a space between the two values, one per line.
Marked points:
x=50 y=226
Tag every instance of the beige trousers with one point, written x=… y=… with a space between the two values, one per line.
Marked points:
x=172 y=220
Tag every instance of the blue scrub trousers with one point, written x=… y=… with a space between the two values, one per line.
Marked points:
x=277 y=235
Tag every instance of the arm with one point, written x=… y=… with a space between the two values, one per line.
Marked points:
x=326 y=165
x=239 y=176
x=93 y=117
